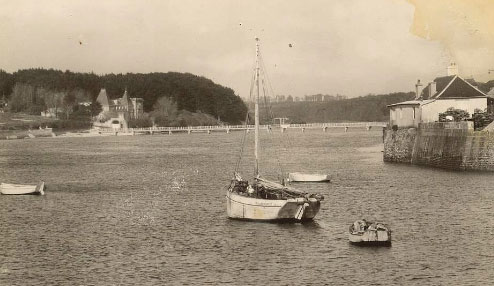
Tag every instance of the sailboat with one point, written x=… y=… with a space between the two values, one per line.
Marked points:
x=264 y=200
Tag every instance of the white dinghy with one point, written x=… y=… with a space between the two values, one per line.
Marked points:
x=367 y=233
x=303 y=177
x=264 y=200
x=17 y=189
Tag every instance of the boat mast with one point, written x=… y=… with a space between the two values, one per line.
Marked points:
x=256 y=109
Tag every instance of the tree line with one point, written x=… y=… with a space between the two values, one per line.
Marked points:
x=29 y=90
x=364 y=108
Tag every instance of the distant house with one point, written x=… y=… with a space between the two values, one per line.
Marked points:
x=132 y=108
x=124 y=108
x=85 y=103
x=437 y=97
x=51 y=112
x=280 y=98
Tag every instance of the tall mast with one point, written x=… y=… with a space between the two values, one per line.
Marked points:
x=256 y=108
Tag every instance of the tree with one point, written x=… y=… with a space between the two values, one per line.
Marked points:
x=68 y=102
x=164 y=111
x=6 y=83
x=53 y=101
x=95 y=108
x=454 y=114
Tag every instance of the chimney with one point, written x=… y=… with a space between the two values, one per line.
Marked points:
x=452 y=69
x=418 y=89
x=432 y=89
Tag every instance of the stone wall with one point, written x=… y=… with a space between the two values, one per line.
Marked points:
x=441 y=148
x=479 y=151
x=398 y=145
x=454 y=147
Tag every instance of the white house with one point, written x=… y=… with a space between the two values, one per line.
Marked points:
x=437 y=97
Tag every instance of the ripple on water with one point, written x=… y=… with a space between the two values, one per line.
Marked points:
x=150 y=210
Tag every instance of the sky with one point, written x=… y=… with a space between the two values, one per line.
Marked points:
x=350 y=47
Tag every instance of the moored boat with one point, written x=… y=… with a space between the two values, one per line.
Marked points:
x=17 y=189
x=269 y=201
x=264 y=200
x=367 y=233
x=303 y=177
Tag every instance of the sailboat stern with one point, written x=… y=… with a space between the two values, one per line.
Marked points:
x=301 y=209
x=313 y=208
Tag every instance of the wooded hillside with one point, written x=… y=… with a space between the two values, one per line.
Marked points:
x=190 y=92
x=364 y=108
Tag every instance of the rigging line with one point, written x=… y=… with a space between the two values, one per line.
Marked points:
x=270 y=86
x=271 y=115
x=270 y=110
x=242 y=146
x=271 y=135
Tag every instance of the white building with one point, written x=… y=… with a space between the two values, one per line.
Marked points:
x=437 y=97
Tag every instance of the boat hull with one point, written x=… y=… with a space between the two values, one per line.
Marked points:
x=300 y=177
x=250 y=208
x=371 y=238
x=17 y=189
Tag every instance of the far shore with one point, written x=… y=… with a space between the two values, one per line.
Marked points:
x=44 y=133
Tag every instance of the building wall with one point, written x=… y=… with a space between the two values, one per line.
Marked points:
x=137 y=107
x=430 y=111
x=133 y=110
x=404 y=116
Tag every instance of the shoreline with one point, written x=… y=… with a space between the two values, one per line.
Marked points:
x=43 y=133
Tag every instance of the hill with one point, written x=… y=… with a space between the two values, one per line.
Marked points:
x=190 y=92
x=364 y=108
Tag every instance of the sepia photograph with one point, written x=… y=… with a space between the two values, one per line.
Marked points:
x=229 y=142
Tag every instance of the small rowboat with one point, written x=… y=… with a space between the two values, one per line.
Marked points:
x=367 y=233
x=301 y=177
x=16 y=189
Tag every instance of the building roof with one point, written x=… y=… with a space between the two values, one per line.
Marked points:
x=491 y=92
x=125 y=99
x=413 y=102
x=103 y=98
x=452 y=87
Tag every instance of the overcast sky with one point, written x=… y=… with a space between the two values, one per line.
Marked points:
x=350 y=47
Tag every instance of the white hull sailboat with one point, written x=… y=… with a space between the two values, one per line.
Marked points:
x=17 y=189
x=270 y=201
x=302 y=177
x=264 y=200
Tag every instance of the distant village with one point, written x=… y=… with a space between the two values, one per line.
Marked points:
x=308 y=98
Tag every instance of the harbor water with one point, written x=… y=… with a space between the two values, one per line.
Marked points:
x=151 y=210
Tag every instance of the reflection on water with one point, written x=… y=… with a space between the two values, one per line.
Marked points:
x=151 y=210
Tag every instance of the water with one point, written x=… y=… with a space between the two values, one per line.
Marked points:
x=150 y=210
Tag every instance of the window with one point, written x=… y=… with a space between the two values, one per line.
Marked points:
x=414 y=113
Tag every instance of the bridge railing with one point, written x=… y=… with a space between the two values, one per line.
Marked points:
x=339 y=124
x=243 y=127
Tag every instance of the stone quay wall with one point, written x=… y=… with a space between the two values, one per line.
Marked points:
x=453 y=146
x=398 y=145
